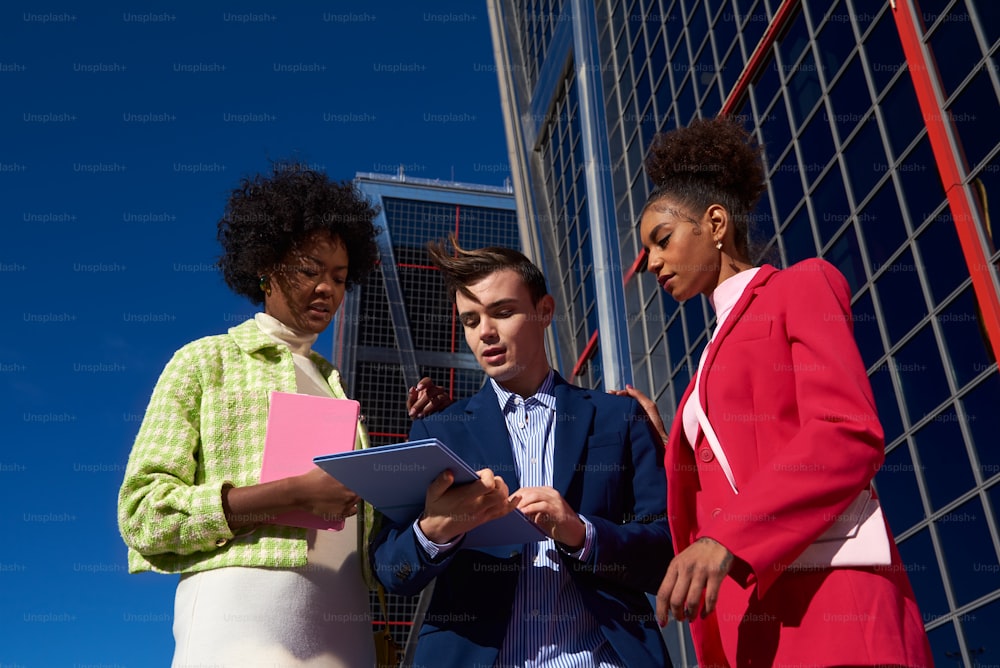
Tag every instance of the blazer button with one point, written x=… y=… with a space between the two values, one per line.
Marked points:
x=716 y=512
x=706 y=455
x=403 y=571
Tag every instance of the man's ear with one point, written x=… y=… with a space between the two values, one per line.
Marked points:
x=545 y=309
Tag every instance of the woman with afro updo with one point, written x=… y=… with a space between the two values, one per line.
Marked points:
x=771 y=456
x=254 y=593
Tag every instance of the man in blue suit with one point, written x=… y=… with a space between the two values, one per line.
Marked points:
x=584 y=465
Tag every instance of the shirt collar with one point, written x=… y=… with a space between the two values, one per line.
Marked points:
x=727 y=293
x=544 y=394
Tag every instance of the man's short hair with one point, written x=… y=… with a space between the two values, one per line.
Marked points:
x=462 y=268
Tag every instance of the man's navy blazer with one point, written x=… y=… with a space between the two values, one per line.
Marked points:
x=608 y=466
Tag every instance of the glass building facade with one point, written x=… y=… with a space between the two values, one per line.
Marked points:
x=399 y=325
x=878 y=121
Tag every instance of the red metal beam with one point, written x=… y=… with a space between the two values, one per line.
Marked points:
x=761 y=54
x=387 y=434
x=587 y=353
x=951 y=163
x=634 y=269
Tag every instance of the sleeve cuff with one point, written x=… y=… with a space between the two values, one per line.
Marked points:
x=430 y=547
x=213 y=531
x=588 y=542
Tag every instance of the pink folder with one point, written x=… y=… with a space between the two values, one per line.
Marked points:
x=300 y=427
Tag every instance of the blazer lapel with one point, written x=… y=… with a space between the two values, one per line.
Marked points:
x=758 y=281
x=486 y=430
x=574 y=415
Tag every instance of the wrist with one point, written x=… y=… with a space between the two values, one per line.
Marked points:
x=575 y=538
x=435 y=529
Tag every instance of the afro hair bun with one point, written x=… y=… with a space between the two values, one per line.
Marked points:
x=715 y=154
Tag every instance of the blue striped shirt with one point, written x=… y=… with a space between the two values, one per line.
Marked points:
x=549 y=627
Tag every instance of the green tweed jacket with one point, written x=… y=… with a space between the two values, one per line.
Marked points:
x=204 y=427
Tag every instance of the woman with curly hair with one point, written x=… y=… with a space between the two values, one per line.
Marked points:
x=251 y=592
x=772 y=453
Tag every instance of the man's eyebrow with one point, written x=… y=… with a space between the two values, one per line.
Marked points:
x=492 y=305
x=501 y=302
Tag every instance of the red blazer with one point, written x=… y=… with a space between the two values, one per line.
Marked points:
x=787 y=393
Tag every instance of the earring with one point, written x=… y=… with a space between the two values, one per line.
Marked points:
x=718 y=245
x=265 y=285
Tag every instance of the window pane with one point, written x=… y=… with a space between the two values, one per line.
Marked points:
x=657 y=357
x=941 y=449
x=955 y=48
x=775 y=130
x=816 y=142
x=850 y=98
x=845 y=255
x=681 y=379
x=786 y=184
x=942 y=257
x=882 y=227
x=754 y=26
x=803 y=88
x=798 y=238
x=830 y=203
x=900 y=295
x=731 y=69
x=896 y=483
x=980 y=628
x=685 y=102
x=694 y=317
x=724 y=35
x=885 y=53
x=697 y=28
x=854 y=11
x=969 y=554
x=983 y=419
x=943 y=639
x=965 y=337
x=900 y=110
x=865 y=159
x=921 y=182
x=794 y=42
x=866 y=330
x=766 y=85
x=974 y=113
x=989 y=18
x=886 y=403
x=917 y=553
x=836 y=38
x=675 y=342
x=921 y=375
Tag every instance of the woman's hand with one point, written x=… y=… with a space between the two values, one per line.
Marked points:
x=323 y=495
x=426 y=398
x=648 y=405
x=315 y=492
x=695 y=572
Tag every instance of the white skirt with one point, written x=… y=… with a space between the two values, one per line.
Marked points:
x=316 y=616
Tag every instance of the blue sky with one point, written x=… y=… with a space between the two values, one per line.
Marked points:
x=123 y=128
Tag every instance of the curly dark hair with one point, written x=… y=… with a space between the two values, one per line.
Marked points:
x=711 y=161
x=465 y=267
x=268 y=216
